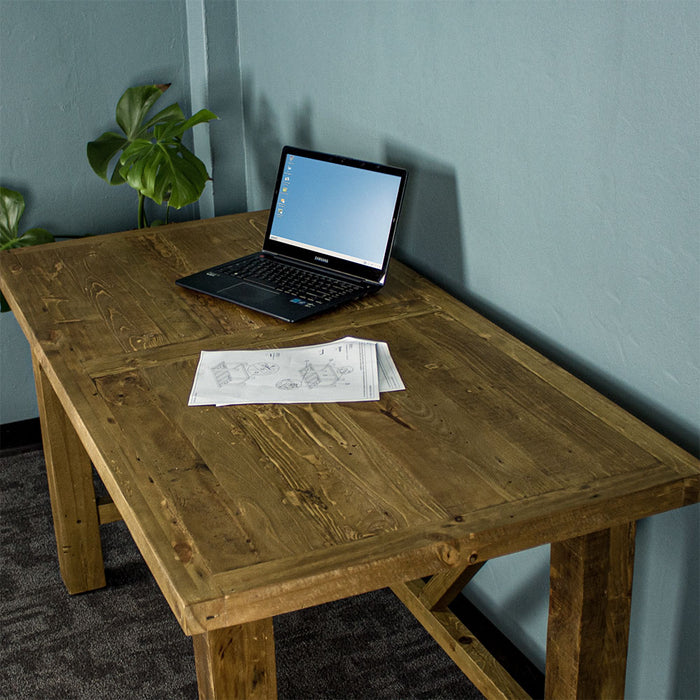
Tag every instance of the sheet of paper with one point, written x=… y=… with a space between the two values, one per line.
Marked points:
x=345 y=370
x=313 y=374
x=389 y=377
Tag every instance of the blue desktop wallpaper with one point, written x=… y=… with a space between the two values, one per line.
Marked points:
x=337 y=209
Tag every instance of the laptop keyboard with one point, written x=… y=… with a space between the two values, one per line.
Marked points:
x=305 y=286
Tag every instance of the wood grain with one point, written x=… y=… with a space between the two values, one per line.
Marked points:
x=589 y=609
x=73 y=502
x=237 y=663
x=461 y=645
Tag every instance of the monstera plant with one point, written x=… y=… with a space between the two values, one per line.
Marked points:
x=11 y=210
x=149 y=154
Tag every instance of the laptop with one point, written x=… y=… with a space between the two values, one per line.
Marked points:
x=328 y=240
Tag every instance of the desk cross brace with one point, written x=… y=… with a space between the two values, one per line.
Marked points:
x=588 y=627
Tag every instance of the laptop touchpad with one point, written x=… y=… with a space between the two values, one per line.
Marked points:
x=248 y=293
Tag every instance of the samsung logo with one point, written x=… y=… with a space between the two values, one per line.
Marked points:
x=318 y=258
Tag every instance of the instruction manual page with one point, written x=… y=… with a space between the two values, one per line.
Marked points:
x=350 y=369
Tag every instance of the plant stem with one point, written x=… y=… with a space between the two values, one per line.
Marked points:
x=142 y=211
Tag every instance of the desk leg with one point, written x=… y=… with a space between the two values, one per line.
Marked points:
x=237 y=662
x=73 y=504
x=589 y=613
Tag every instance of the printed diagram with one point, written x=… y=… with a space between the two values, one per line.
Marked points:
x=239 y=373
x=314 y=375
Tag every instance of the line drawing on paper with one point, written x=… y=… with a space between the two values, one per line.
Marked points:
x=314 y=375
x=239 y=373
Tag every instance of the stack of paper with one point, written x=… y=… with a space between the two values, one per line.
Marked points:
x=351 y=369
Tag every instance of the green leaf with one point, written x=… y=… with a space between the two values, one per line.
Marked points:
x=134 y=105
x=34 y=236
x=189 y=179
x=169 y=131
x=164 y=172
x=175 y=129
x=101 y=152
x=204 y=115
x=11 y=210
x=172 y=114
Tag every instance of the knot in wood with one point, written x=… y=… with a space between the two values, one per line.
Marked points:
x=449 y=554
x=183 y=552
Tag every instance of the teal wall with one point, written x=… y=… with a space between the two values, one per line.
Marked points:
x=553 y=150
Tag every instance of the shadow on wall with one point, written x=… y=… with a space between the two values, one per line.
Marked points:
x=264 y=139
x=429 y=235
x=429 y=229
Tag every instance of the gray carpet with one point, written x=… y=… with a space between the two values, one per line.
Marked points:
x=123 y=641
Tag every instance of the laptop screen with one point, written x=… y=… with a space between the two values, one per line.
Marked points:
x=335 y=212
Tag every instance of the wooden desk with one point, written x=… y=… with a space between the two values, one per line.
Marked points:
x=243 y=513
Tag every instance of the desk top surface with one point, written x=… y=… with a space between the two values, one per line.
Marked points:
x=244 y=512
